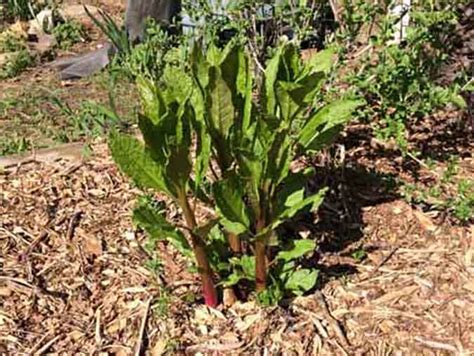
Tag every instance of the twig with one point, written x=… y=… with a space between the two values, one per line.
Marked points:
x=72 y=224
x=436 y=345
x=98 y=339
x=331 y=320
x=34 y=244
x=38 y=344
x=47 y=345
x=380 y=264
x=141 y=334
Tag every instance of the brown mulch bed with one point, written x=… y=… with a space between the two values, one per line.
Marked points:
x=73 y=280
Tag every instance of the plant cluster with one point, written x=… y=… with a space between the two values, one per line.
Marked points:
x=25 y=9
x=448 y=193
x=399 y=81
x=17 y=57
x=67 y=33
x=214 y=138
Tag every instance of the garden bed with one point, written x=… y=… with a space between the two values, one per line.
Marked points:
x=74 y=279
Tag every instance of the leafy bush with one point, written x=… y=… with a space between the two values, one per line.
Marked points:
x=16 y=63
x=399 y=82
x=243 y=139
x=449 y=192
x=68 y=33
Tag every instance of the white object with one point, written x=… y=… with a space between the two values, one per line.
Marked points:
x=401 y=12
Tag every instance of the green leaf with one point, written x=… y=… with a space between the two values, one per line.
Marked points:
x=248 y=266
x=137 y=163
x=300 y=248
x=326 y=120
x=220 y=103
x=153 y=103
x=279 y=158
x=286 y=103
x=271 y=74
x=203 y=154
x=313 y=200
x=156 y=225
x=301 y=281
x=228 y=196
x=323 y=60
x=179 y=85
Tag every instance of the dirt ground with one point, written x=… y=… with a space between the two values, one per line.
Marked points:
x=75 y=277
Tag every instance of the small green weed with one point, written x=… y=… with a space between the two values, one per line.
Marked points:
x=14 y=145
x=448 y=193
x=16 y=64
x=89 y=120
x=11 y=42
x=399 y=81
x=68 y=33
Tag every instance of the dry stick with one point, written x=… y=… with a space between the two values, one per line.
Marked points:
x=73 y=224
x=34 y=244
x=436 y=345
x=38 y=344
x=142 y=328
x=98 y=339
x=331 y=320
x=380 y=264
x=47 y=345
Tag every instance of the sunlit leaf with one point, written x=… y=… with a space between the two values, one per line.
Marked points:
x=301 y=281
x=158 y=228
x=137 y=163
x=299 y=249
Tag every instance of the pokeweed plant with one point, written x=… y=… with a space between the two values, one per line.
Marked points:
x=213 y=138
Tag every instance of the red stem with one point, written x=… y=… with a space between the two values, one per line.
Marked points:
x=208 y=288
x=260 y=259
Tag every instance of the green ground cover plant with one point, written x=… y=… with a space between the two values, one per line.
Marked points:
x=400 y=81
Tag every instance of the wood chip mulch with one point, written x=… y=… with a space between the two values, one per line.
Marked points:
x=73 y=281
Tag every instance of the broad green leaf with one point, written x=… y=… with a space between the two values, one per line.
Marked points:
x=323 y=60
x=292 y=190
x=243 y=268
x=200 y=67
x=220 y=106
x=179 y=85
x=247 y=264
x=314 y=201
x=232 y=279
x=300 y=248
x=203 y=154
x=251 y=170
x=330 y=116
x=228 y=196
x=279 y=158
x=158 y=228
x=136 y=162
x=152 y=100
x=154 y=137
x=301 y=281
x=308 y=88
x=271 y=74
x=287 y=105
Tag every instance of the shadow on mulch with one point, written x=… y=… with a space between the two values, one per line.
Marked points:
x=438 y=137
x=340 y=226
